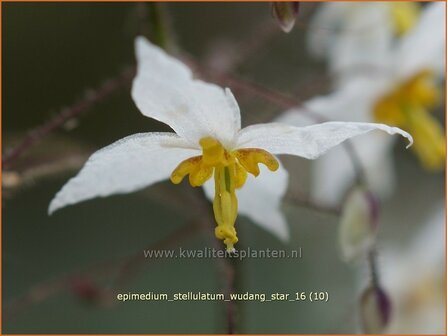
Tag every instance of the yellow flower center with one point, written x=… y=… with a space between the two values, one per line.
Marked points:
x=404 y=15
x=407 y=107
x=230 y=173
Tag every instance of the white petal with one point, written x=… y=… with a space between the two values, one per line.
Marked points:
x=309 y=142
x=260 y=200
x=127 y=165
x=365 y=41
x=322 y=31
x=334 y=174
x=353 y=101
x=424 y=47
x=353 y=36
x=165 y=90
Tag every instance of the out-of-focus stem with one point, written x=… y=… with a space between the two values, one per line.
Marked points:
x=159 y=23
x=126 y=266
x=372 y=265
x=360 y=174
x=92 y=97
x=310 y=204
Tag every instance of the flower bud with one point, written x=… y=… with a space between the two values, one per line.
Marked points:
x=358 y=223
x=375 y=310
x=285 y=13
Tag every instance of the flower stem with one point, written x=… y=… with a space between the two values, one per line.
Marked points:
x=372 y=265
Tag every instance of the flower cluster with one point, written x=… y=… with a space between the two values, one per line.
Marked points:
x=388 y=63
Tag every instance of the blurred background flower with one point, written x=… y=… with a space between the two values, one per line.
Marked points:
x=415 y=277
x=382 y=79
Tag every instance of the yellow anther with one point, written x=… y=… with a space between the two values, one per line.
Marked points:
x=404 y=15
x=230 y=173
x=407 y=107
x=250 y=158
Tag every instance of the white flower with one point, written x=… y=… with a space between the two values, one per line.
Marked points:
x=352 y=35
x=208 y=141
x=400 y=93
x=414 y=276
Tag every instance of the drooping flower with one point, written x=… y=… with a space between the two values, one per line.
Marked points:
x=208 y=142
x=400 y=89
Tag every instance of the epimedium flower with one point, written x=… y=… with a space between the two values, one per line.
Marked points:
x=401 y=89
x=352 y=35
x=208 y=144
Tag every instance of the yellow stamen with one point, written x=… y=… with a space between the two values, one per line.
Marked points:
x=404 y=15
x=230 y=173
x=407 y=107
x=225 y=206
